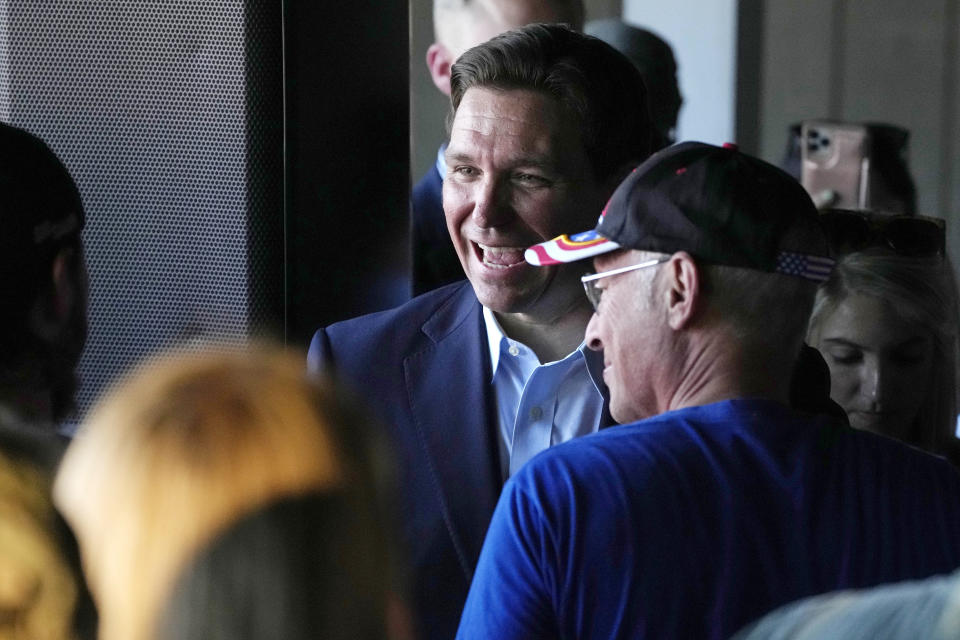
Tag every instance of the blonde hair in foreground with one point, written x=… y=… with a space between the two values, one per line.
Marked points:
x=177 y=452
x=38 y=590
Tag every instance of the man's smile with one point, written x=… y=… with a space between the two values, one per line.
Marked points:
x=499 y=257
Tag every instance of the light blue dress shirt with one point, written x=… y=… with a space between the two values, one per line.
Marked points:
x=540 y=405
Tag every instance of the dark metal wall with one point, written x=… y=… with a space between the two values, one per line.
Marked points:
x=243 y=163
x=348 y=177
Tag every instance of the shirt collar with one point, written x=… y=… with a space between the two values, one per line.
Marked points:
x=495 y=336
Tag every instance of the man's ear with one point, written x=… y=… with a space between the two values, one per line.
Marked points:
x=54 y=305
x=683 y=289
x=439 y=62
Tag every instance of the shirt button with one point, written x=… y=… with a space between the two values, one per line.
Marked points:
x=535 y=413
x=514 y=350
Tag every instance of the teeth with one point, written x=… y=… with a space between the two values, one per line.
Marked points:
x=489 y=248
x=501 y=257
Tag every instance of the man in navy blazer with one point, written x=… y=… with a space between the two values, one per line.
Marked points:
x=473 y=379
x=459 y=25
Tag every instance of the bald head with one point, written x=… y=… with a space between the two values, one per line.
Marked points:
x=459 y=25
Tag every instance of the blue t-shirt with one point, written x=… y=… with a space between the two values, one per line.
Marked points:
x=695 y=522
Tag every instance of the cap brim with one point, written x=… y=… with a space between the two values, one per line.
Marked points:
x=569 y=248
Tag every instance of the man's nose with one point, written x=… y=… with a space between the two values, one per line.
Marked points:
x=492 y=206
x=592 y=335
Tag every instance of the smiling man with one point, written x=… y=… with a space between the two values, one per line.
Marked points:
x=716 y=500
x=518 y=174
x=474 y=379
x=459 y=25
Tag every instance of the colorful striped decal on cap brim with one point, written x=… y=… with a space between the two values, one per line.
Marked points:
x=569 y=249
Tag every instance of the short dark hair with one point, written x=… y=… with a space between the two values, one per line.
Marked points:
x=40 y=213
x=587 y=77
x=653 y=57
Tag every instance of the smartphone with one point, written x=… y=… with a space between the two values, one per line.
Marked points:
x=835 y=164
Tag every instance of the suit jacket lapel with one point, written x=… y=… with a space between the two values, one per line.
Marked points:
x=450 y=394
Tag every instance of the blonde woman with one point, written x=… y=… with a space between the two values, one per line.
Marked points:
x=886 y=324
x=184 y=447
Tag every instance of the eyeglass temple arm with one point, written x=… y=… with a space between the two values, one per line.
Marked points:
x=613 y=272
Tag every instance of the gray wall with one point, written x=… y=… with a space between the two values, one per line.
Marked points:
x=428 y=107
x=881 y=60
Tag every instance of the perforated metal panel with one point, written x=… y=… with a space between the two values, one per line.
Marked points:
x=155 y=106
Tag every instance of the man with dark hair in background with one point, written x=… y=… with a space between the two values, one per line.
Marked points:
x=43 y=284
x=653 y=57
x=43 y=306
x=721 y=501
x=459 y=25
x=475 y=378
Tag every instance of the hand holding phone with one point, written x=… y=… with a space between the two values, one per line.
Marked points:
x=835 y=163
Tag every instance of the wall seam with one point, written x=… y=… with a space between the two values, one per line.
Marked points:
x=838 y=36
x=948 y=111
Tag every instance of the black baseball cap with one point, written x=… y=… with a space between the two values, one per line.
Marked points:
x=722 y=206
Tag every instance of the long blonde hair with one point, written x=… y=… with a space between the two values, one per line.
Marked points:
x=178 y=451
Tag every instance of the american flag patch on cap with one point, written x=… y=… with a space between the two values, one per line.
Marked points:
x=816 y=268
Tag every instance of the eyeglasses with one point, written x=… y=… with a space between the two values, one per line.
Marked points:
x=913 y=236
x=594 y=292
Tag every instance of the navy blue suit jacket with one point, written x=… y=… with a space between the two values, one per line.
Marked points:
x=424 y=367
x=435 y=261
